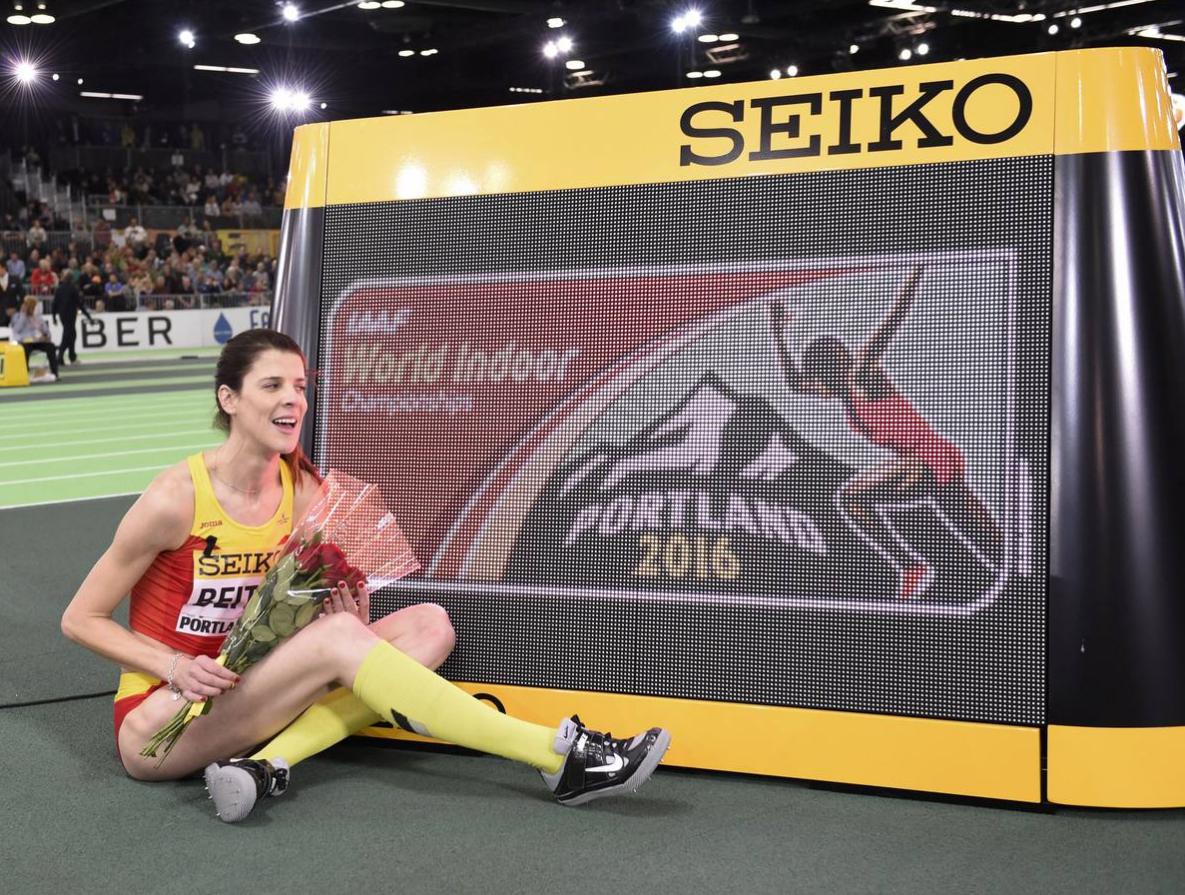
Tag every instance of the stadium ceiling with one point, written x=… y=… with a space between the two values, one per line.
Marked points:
x=362 y=59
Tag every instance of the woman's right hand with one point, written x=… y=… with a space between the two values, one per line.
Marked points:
x=201 y=677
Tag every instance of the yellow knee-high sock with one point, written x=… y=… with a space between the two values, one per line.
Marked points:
x=327 y=721
x=394 y=684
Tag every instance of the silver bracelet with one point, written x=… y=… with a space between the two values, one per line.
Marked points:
x=172 y=671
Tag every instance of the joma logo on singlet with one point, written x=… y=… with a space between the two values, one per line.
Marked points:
x=217 y=565
x=796 y=125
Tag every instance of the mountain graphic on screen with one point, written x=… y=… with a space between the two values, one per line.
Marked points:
x=720 y=494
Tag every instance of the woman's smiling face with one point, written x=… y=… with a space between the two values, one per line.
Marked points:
x=271 y=405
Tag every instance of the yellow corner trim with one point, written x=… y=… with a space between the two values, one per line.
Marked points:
x=308 y=167
x=956 y=757
x=1117 y=767
x=1112 y=100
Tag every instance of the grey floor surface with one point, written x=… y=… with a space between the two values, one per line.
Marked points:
x=403 y=820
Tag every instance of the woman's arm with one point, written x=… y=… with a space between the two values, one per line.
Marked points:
x=160 y=520
x=778 y=321
x=870 y=353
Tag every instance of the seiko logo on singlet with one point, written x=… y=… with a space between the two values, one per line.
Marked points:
x=222 y=585
x=218 y=564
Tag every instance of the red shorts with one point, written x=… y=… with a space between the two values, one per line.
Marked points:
x=134 y=688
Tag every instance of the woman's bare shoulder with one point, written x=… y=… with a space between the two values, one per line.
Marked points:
x=163 y=514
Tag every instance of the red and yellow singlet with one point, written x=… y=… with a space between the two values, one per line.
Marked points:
x=190 y=598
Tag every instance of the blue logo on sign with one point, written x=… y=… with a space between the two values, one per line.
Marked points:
x=223 y=330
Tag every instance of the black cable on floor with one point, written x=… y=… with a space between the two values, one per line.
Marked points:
x=21 y=705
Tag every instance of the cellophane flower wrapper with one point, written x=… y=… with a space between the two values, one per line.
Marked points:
x=346 y=535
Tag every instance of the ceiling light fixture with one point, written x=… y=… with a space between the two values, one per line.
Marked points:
x=730 y=36
x=406 y=53
x=922 y=49
x=708 y=38
x=775 y=73
x=712 y=73
x=695 y=74
x=853 y=49
x=1075 y=22
x=564 y=44
x=19 y=20
x=556 y=23
x=905 y=55
x=369 y=4
x=550 y=50
x=247 y=38
x=227 y=68
x=432 y=51
x=574 y=64
x=41 y=18
x=186 y=38
x=791 y=71
x=25 y=71
x=290 y=12
x=393 y=4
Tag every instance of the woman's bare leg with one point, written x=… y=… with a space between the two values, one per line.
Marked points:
x=292 y=677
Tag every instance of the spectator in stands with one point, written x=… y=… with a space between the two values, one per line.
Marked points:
x=16 y=267
x=11 y=295
x=212 y=209
x=136 y=237
x=250 y=206
x=102 y=233
x=230 y=207
x=36 y=236
x=261 y=281
x=67 y=302
x=177 y=159
x=92 y=289
x=43 y=281
x=113 y=293
x=30 y=329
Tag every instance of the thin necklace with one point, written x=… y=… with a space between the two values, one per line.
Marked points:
x=248 y=491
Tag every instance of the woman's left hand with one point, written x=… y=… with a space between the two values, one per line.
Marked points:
x=341 y=599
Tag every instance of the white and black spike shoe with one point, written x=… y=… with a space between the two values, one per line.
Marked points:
x=598 y=765
x=236 y=785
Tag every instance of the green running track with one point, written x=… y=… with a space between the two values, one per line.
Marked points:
x=105 y=429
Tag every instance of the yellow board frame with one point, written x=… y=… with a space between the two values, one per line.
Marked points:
x=990 y=761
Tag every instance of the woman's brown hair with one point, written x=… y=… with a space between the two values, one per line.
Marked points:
x=237 y=357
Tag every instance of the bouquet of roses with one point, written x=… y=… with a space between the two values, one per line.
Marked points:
x=347 y=534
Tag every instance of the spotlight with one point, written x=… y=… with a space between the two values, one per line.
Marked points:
x=324 y=105
x=429 y=52
x=281 y=99
x=923 y=48
x=695 y=74
x=19 y=20
x=393 y=4
x=1075 y=22
x=791 y=71
x=1053 y=29
x=41 y=18
x=369 y=4
x=574 y=64
x=556 y=23
x=25 y=72
x=708 y=38
x=185 y=36
x=905 y=55
x=550 y=50
x=406 y=53
x=290 y=12
x=300 y=101
x=730 y=37
x=80 y=82
x=55 y=76
x=692 y=18
x=775 y=73
x=853 y=49
x=712 y=73
x=563 y=44
x=247 y=38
